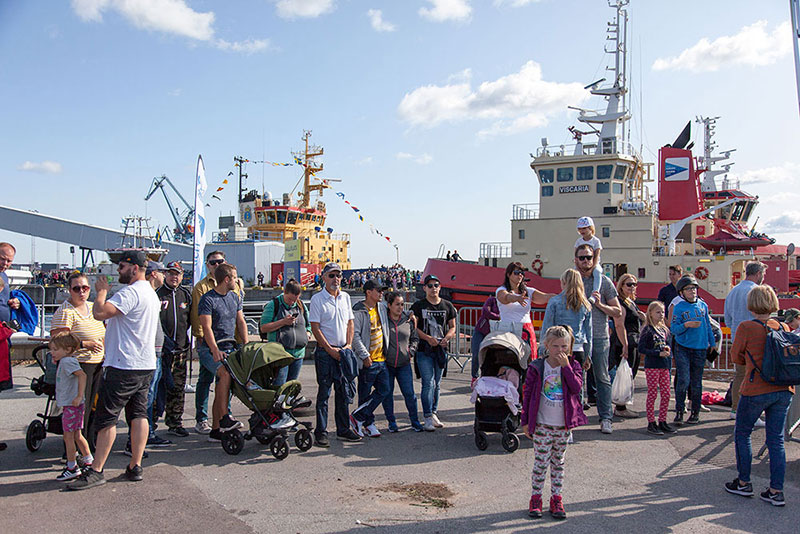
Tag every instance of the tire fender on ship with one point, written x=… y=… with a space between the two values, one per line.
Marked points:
x=536 y=266
x=701 y=273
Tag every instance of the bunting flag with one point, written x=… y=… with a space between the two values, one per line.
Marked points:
x=361 y=218
x=340 y=195
x=357 y=211
x=215 y=196
x=220 y=189
x=297 y=160
x=225 y=181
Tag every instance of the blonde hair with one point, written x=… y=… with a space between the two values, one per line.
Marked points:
x=762 y=300
x=574 y=291
x=560 y=332
x=2 y=284
x=621 y=282
x=590 y=226
x=656 y=304
x=66 y=341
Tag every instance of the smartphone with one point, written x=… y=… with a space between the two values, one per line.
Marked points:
x=110 y=279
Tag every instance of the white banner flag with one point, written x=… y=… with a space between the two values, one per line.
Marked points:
x=199 y=222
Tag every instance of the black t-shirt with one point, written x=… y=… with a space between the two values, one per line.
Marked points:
x=432 y=319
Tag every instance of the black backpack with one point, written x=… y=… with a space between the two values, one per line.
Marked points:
x=781 y=363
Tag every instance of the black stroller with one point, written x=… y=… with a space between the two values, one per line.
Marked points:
x=50 y=419
x=492 y=414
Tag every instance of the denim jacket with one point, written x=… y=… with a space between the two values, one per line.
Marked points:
x=580 y=321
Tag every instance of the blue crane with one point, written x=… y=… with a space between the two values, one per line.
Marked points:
x=183 y=219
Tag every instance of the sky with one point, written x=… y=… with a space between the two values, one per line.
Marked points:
x=427 y=109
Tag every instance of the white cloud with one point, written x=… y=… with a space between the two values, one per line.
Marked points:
x=515 y=3
x=516 y=102
x=422 y=159
x=789 y=222
x=166 y=16
x=443 y=10
x=175 y=92
x=377 y=22
x=367 y=160
x=751 y=47
x=290 y=9
x=45 y=167
x=779 y=174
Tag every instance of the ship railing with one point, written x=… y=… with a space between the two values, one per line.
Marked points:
x=495 y=249
x=588 y=149
x=523 y=212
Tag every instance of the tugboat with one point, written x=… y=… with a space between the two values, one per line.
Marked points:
x=694 y=224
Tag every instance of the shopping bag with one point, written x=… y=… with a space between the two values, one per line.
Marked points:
x=622 y=388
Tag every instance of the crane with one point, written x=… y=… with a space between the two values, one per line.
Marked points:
x=183 y=219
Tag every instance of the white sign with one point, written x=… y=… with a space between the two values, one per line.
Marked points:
x=676 y=169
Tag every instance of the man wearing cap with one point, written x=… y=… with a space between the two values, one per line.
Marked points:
x=131 y=316
x=792 y=319
x=667 y=293
x=206 y=377
x=370 y=341
x=176 y=305
x=736 y=312
x=331 y=318
x=436 y=326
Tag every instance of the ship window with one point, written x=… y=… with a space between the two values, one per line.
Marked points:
x=604 y=172
x=281 y=216
x=606 y=231
x=547 y=190
x=546 y=176
x=750 y=206
x=564 y=174
x=270 y=217
x=616 y=188
x=602 y=187
x=294 y=235
x=620 y=174
x=292 y=217
x=260 y=217
x=521 y=233
x=585 y=173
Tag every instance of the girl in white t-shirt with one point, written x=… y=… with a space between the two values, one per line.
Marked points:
x=514 y=301
x=586 y=229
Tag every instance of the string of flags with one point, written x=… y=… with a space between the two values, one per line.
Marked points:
x=357 y=211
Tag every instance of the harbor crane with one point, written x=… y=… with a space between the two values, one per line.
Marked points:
x=183 y=219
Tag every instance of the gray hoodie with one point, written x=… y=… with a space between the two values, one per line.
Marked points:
x=403 y=340
x=361 y=328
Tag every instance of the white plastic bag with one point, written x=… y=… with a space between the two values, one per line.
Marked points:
x=622 y=388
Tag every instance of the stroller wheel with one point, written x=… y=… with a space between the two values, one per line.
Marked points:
x=279 y=448
x=510 y=442
x=481 y=440
x=232 y=442
x=303 y=439
x=35 y=435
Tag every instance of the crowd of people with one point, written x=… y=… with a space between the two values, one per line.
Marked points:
x=395 y=277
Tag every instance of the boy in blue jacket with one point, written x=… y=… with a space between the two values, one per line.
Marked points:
x=691 y=330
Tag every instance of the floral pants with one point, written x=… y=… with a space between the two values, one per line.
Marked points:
x=549 y=445
x=657 y=380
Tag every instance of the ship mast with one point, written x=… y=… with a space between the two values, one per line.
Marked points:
x=708 y=160
x=241 y=161
x=310 y=167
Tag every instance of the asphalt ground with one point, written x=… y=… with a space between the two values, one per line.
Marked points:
x=628 y=481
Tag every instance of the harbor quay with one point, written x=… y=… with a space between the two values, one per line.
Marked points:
x=401 y=482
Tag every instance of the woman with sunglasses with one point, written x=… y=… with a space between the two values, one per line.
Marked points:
x=625 y=334
x=514 y=303
x=75 y=316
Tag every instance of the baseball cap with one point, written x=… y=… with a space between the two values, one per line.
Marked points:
x=373 y=284
x=585 y=222
x=331 y=267
x=134 y=257
x=153 y=266
x=429 y=278
x=175 y=266
x=791 y=314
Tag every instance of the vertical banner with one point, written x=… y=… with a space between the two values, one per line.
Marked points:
x=291 y=261
x=199 y=241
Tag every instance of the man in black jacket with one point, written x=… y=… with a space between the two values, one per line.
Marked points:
x=176 y=304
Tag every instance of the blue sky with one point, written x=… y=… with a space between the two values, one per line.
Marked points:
x=427 y=109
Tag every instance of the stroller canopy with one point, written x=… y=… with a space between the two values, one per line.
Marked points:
x=259 y=362
x=505 y=340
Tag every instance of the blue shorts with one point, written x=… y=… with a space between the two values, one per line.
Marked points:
x=207 y=359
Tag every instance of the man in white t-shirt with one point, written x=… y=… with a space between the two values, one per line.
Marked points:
x=131 y=317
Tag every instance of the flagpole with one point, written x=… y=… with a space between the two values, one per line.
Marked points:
x=198 y=231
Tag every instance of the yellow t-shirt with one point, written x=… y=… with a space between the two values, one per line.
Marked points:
x=375 y=336
x=85 y=328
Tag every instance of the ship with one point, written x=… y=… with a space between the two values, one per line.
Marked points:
x=693 y=221
x=137 y=236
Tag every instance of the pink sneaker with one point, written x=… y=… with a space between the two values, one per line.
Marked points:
x=535 y=507
x=557 y=507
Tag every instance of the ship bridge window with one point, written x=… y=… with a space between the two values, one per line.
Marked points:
x=739 y=210
x=281 y=216
x=270 y=217
x=260 y=217
x=620 y=174
x=292 y=219
x=616 y=188
x=585 y=173
x=564 y=174
x=604 y=172
x=547 y=190
x=546 y=176
x=602 y=187
x=748 y=210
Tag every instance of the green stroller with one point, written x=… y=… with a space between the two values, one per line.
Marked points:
x=253 y=368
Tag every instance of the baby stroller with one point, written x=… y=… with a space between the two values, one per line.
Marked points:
x=50 y=419
x=252 y=368
x=492 y=413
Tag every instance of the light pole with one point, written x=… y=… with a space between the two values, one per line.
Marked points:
x=397 y=250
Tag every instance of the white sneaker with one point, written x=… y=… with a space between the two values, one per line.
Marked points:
x=373 y=431
x=570 y=439
x=704 y=408
x=428 y=426
x=605 y=426
x=436 y=422
x=760 y=423
x=202 y=427
x=732 y=415
x=356 y=425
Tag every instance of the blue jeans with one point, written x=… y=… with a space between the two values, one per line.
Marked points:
x=431 y=380
x=151 y=395
x=290 y=372
x=689 y=365
x=205 y=378
x=373 y=387
x=325 y=365
x=477 y=339
x=405 y=378
x=775 y=405
x=602 y=380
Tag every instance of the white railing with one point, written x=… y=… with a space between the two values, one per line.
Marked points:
x=495 y=249
x=522 y=212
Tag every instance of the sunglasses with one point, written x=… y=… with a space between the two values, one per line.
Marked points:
x=631 y=284
x=585 y=258
x=518 y=272
x=216 y=262
x=79 y=289
x=335 y=275
x=432 y=286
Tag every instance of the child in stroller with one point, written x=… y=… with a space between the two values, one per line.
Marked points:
x=503 y=359
x=253 y=368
